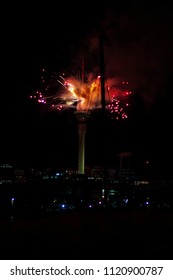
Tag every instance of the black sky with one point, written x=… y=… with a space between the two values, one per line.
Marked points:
x=138 y=48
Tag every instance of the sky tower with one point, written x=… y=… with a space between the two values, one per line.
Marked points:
x=82 y=117
x=83 y=114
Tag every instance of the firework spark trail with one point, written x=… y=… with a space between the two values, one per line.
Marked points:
x=84 y=95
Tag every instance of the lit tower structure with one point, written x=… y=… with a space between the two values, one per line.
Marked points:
x=85 y=95
x=82 y=117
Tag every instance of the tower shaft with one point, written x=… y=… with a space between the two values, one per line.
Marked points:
x=82 y=117
x=81 y=155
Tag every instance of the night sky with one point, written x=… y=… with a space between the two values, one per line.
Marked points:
x=138 y=48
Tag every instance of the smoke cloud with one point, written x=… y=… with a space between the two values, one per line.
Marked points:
x=138 y=48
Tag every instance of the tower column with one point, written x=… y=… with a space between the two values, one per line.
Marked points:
x=82 y=117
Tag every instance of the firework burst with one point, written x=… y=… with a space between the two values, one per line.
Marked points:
x=118 y=101
x=61 y=93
